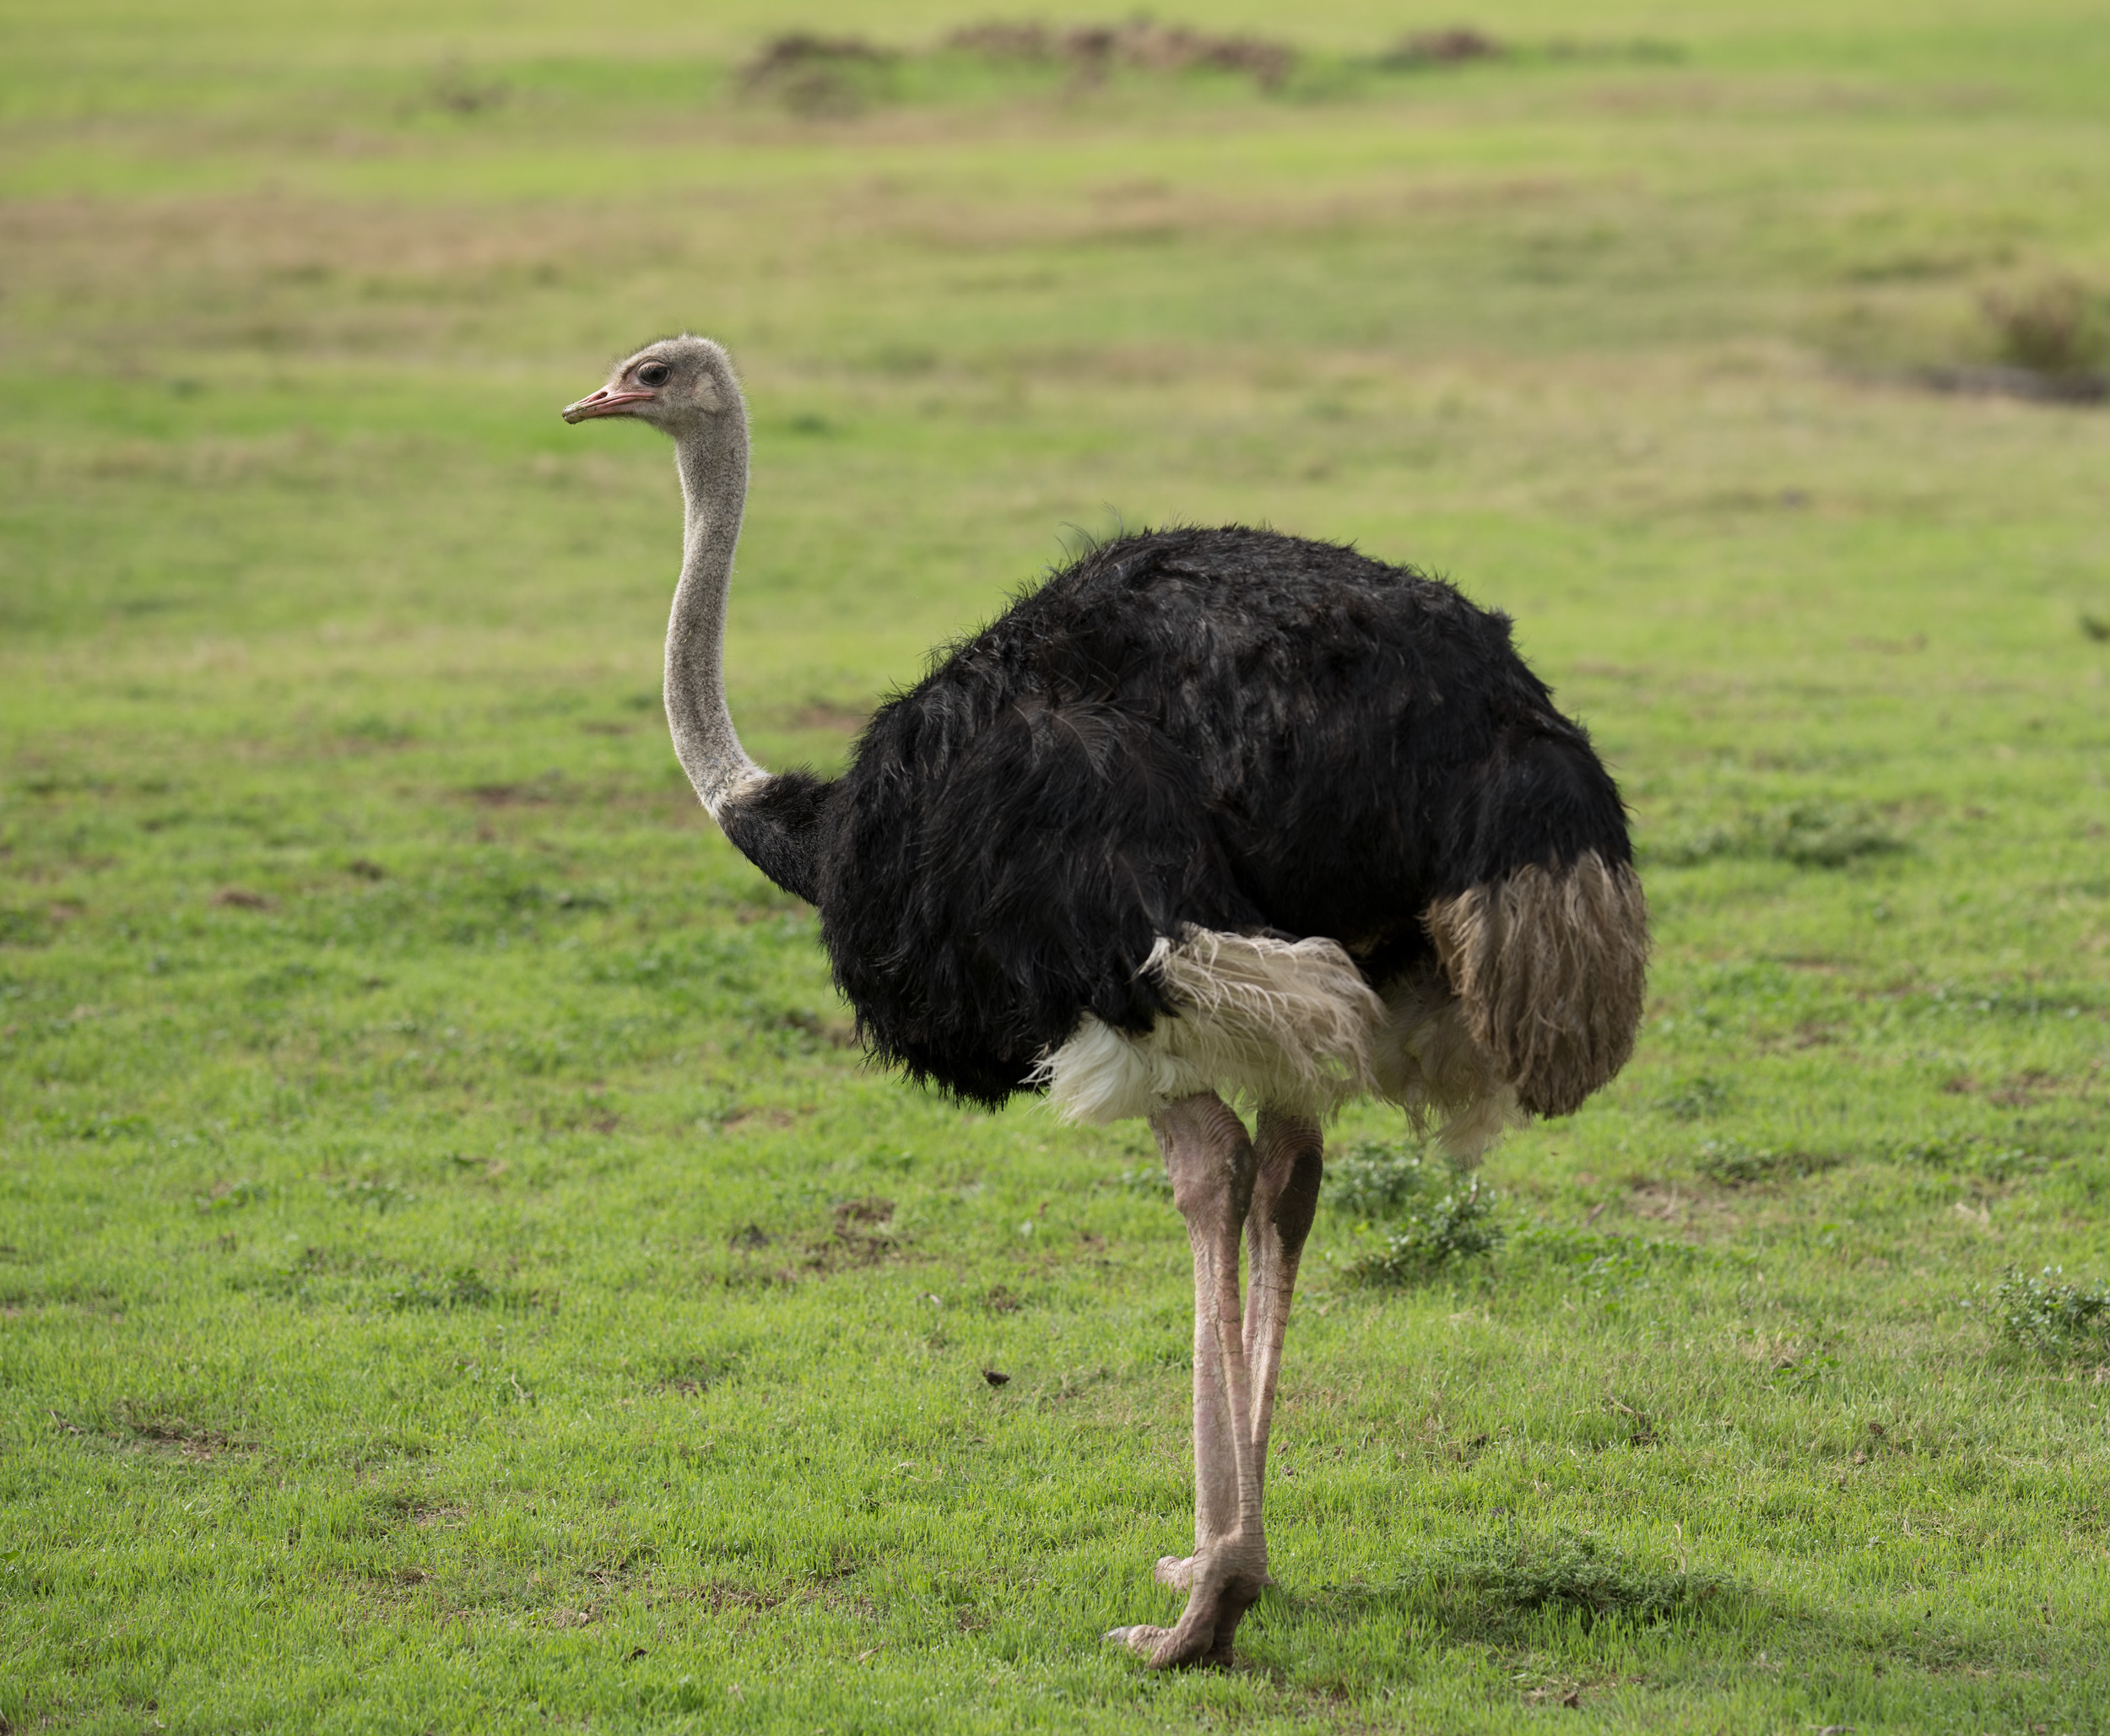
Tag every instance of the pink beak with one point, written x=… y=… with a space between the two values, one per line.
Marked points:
x=603 y=403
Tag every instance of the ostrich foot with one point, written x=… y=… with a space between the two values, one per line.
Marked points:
x=1220 y=1592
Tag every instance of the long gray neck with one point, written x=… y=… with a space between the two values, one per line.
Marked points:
x=714 y=466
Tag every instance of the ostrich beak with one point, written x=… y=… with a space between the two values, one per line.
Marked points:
x=603 y=403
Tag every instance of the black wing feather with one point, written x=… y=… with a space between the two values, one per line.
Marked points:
x=1226 y=727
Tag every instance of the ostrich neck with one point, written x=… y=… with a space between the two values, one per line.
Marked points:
x=714 y=492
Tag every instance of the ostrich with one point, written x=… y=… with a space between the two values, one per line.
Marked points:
x=1210 y=816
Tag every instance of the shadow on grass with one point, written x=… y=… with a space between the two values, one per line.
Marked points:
x=1506 y=1591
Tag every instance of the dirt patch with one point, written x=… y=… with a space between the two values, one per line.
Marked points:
x=170 y=1431
x=775 y=1118
x=818 y=75
x=457 y=91
x=1092 y=52
x=2058 y=329
x=2018 y=1091
x=837 y=1033
x=800 y=49
x=718 y=1596
x=862 y=1211
x=856 y=1240
x=2086 y=388
x=1444 y=48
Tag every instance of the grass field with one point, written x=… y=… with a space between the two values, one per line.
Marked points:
x=454 y=1273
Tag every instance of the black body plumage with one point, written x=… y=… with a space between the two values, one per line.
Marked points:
x=1228 y=728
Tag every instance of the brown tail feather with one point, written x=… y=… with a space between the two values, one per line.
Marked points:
x=1551 y=965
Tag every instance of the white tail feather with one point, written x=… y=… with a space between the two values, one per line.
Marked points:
x=1533 y=997
x=1292 y=1025
x=1284 y=1022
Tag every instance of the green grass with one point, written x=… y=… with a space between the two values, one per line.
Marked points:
x=453 y=1275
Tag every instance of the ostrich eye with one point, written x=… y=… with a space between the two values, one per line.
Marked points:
x=654 y=374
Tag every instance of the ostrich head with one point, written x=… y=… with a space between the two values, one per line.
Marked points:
x=683 y=386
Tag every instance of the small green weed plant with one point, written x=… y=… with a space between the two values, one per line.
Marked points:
x=2046 y=1313
x=1434 y=1236
x=1371 y=1180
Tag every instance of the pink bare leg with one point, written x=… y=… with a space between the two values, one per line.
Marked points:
x=1284 y=1198
x=1286 y=1191
x=1213 y=1169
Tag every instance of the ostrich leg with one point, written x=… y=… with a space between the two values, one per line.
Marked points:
x=1284 y=1198
x=1213 y=1169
